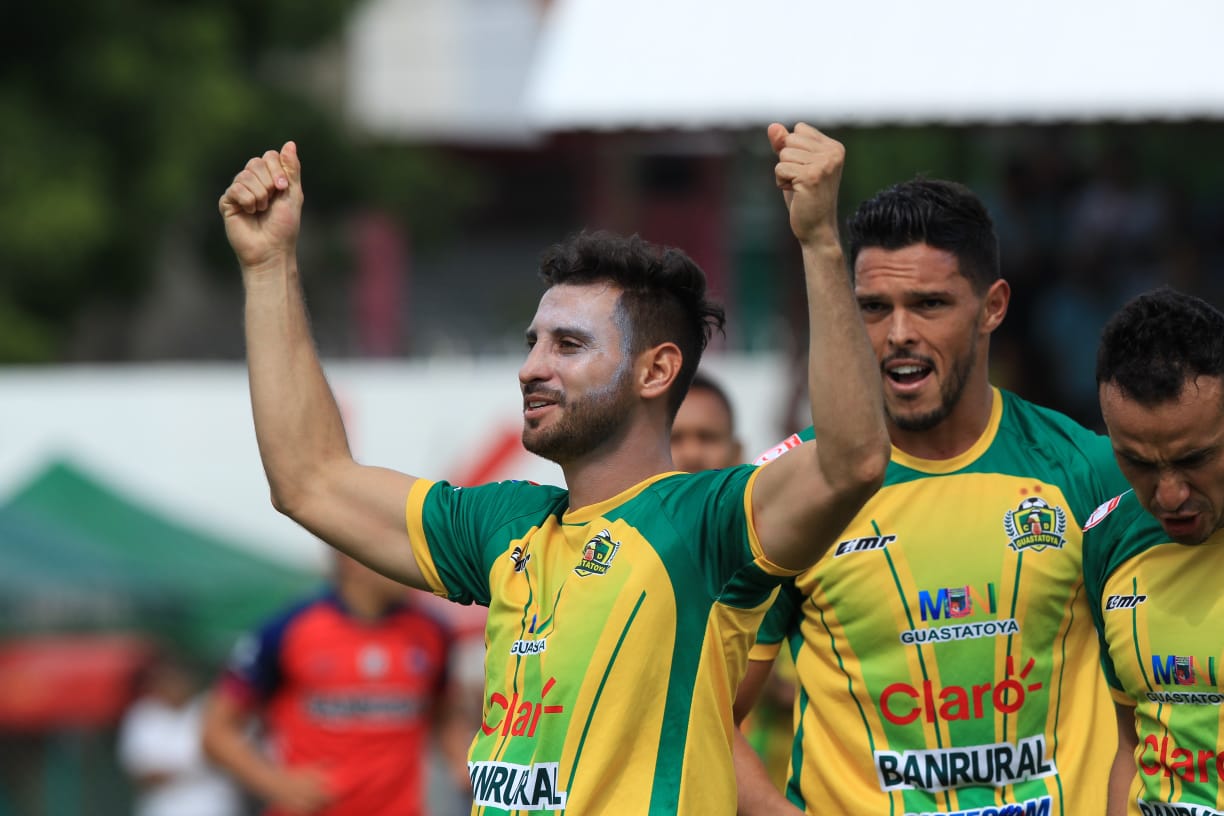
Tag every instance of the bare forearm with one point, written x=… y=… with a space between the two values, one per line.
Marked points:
x=756 y=793
x=843 y=374
x=229 y=749
x=1122 y=771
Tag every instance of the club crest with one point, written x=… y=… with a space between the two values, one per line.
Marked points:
x=1035 y=525
x=597 y=555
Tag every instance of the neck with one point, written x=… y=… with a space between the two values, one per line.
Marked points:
x=602 y=474
x=958 y=431
x=362 y=604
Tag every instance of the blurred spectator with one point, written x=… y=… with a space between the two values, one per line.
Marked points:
x=703 y=432
x=159 y=747
x=350 y=687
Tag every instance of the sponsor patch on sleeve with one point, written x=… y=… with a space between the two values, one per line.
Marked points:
x=790 y=443
x=1099 y=514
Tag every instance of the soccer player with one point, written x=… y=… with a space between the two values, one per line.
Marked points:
x=350 y=688
x=703 y=432
x=1154 y=556
x=943 y=645
x=622 y=608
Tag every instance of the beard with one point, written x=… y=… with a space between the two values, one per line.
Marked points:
x=950 y=392
x=586 y=423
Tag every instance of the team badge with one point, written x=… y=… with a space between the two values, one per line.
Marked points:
x=597 y=555
x=1035 y=525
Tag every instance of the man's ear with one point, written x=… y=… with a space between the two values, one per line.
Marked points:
x=657 y=369
x=994 y=305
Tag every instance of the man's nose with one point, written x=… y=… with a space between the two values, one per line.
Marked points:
x=1171 y=492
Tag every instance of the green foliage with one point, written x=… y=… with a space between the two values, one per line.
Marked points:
x=120 y=118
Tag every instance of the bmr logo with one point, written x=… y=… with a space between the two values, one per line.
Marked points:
x=1182 y=670
x=519 y=559
x=956 y=602
x=518 y=717
x=1123 y=602
x=864 y=544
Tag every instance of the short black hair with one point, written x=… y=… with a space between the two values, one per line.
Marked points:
x=1158 y=341
x=701 y=382
x=663 y=294
x=943 y=214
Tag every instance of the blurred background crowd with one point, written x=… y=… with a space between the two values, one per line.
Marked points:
x=438 y=164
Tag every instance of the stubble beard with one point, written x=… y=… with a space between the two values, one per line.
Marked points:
x=586 y=424
x=950 y=393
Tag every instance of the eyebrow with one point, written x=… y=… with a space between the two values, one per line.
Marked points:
x=562 y=331
x=1184 y=459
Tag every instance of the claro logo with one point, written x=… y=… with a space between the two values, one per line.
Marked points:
x=902 y=703
x=516 y=716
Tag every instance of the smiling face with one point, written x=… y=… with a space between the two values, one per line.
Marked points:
x=576 y=380
x=929 y=329
x=1172 y=453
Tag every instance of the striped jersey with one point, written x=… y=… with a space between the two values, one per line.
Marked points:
x=1158 y=607
x=945 y=653
x=616 y=636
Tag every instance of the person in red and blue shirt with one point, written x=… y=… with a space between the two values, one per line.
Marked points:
x=349 y=685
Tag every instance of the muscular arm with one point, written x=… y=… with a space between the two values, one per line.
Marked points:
x=311 y=472
x=1122 y=771
x=804 y=499
x=299 y=791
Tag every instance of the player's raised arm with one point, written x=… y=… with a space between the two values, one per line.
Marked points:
x=804 y=499
x=311 y=472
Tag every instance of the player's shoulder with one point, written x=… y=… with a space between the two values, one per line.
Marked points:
x=1059 y=439
x=1119 y=515
x=1044 y=424
x=525 y=497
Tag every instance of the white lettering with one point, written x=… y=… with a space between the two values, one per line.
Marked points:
x=1186 y=697
x=960 y=631
x=516 y=787
x=997 y=764
x=528 y=647
x=1175 y=809
x=1040 y=806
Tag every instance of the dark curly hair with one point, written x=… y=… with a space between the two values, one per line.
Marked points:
x=663 y=294
x=943 y=214
x=1158 y=341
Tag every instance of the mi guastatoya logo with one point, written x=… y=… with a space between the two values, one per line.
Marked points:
x=1035 y=525
x=597 y=555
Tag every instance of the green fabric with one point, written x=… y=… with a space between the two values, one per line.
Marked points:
x=75 y=556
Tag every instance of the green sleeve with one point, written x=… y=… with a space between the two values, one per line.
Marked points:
x=1112 y=534
x=468 y=528
x=710 y=509
x=782 y=619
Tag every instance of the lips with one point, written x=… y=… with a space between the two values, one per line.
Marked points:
x=906 y=373
x=1180 y=527
x=537 y=401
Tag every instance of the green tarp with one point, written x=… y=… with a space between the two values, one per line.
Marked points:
x=78 y=556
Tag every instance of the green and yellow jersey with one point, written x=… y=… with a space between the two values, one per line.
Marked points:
x=945 y=653
x=616 y=636
x=1158 y=608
